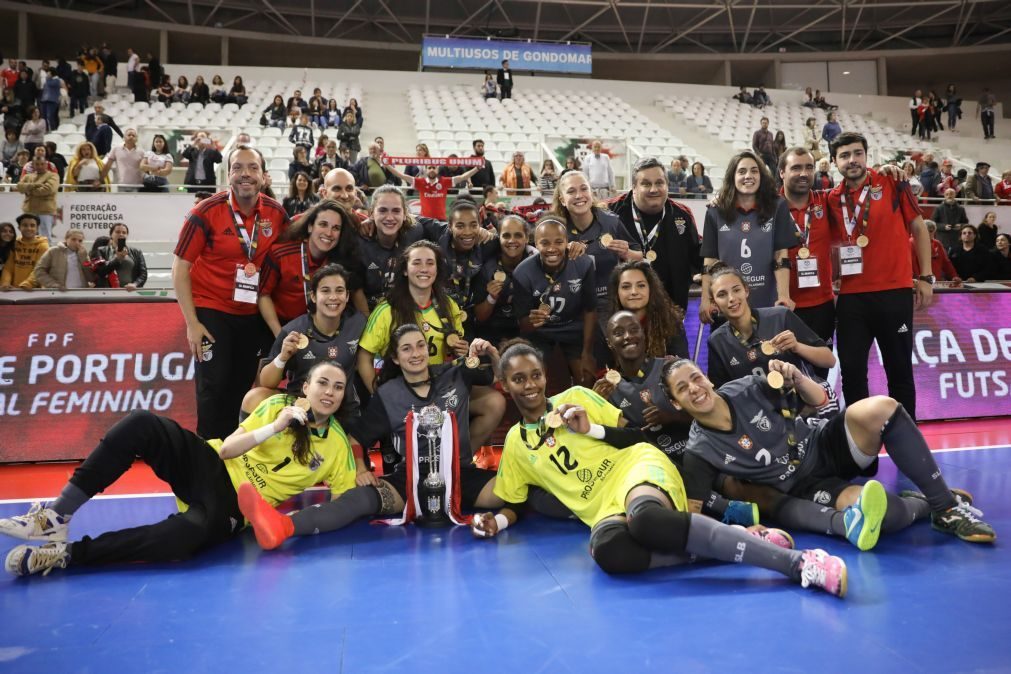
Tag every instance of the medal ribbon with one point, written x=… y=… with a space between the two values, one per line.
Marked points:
x=648 y=240
x=543 y=432
x=248 y=245
x=861 y=212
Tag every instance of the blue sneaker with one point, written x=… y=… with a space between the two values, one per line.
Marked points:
x=744 y=513
x=863 y=518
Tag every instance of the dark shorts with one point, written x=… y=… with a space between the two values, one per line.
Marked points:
x=472 y=481
x=834 y=467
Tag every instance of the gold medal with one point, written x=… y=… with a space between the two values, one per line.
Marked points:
x=546 y=308
x=472 y=362
x=463 y=316
x=554 y=419
x=775 y=379
x=804 y=253
x=613 y=377
x=605 y=240
x=452 y=339
x=302 y=404
x=651 y=256
x=249 y=270
x=862 y=241
x=499 y=276
x=768 y=349
x=303 y=342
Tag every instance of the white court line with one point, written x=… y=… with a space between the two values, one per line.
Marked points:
x=170 y=494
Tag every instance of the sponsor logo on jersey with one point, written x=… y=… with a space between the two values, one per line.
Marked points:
x=728 y=459
x=746 y=268
x=903 y=328
x=229 y=230
x=767 y=226
x=373 y=266
x=606 y=466
x=624 y=403
x=309 y=355
x=734 y=361
x=746 y=443
x=724 y=228
x=762 y=422
x=315 y=462
x=584 y=474
x=664 y=440
x=821 y=496
x=575 y=285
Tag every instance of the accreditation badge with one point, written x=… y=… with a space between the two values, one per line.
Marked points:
x=807 y=272
x=246 y=284
x=851 y=260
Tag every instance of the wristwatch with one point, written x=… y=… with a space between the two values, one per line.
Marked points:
x=929 y=278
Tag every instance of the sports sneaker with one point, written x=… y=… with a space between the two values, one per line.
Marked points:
x=962 y=497
x=777 y=537
x=863 y=518
x=271 y=527
x=819 y=569
x=25 y=560
x=744 y=513
x=40 y=524
x=960 y=521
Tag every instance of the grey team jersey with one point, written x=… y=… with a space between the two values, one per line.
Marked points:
x=632 y=396
x=570 y=296
x=755 y=448
x=748 y=243
x=604 y=222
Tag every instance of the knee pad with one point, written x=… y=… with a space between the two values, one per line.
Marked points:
x=657 y=527
x=614 y=549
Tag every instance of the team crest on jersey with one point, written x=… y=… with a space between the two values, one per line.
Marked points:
x=752 y=355
x=680 y=224
x=762 y=422
x=550 y=441
x=745 y=442
x=266 y=227
x=767 y=227
x=557 y=287
x=876 y=193
x=331 y=353
x=646 y=397
x=575 y=285
x=746 y=226
x=818 y=211
x=353 y=346
x=451 y=399
x=821 y=496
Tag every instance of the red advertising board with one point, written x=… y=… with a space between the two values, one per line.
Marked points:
x=69 y=371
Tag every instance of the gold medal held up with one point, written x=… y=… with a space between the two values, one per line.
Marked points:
x=775 y=379
x=303 y=342
x=302 y=404
x=650 y=256
x=768 y=349
x=605 y=240
x=613 y=377
x=472 y=362
x=546 y=308
x=452 y=339
x=554 y=419
x=499 y=276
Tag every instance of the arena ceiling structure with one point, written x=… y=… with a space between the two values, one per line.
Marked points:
x=613 y=26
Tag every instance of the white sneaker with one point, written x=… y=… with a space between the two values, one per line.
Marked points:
x=40 y=524
x=25 y=560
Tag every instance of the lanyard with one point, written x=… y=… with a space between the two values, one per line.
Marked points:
x=441 y=329
x=305 y=272
x=647 y=241
x=461 y=286
x=248 y=245
x=754 y=332
x=789 y=408
x=804 y=226
x=861 y=212
x=542 y=436
x=551 y=281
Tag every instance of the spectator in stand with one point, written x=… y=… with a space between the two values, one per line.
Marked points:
x=7 y=237
x=19 y=272
x=40 y=187
x=1000 y=263
x=300 y=197
x=489 y=89
x=926 y=118
x=25 y=91
x=90 y=125
x=102 y=138
x=831 y=129
x=764 y=145
x=165 y=90
x=914 y=110
x=909 y=175
x=132 y=68
x=110 y=64
x=979 y=186
x=940 y=264
x=9 y=74
x=330 y=156
x=370 y=172
x=549 y=177
x=300 y=163
x=33 y=129
x=432 y=189
x=946 y=180
x=809 y=101
x=485 y=175
x=937 y=109
x=237 y=94
x=16 y=168
x=49 y=100
x=301 y=133
x=202 y=156
x=200 y=92
x=821 y=102
x=953 y=104
x=415 y=170
x=698 y=183
x=985 y=112
x=823 y=176
x=597 y=167
x=743 y=96
x=986 y=231
x=971 y=260
x=504 y=79
x=320 y=147
x=218 y=92
x=78 y=87
x=317 y=96
x=296 y=100
x=359 y=116
x=950 y=216
x=85 y=170
x=1002 y=191
x=332 y=114
x=779 y=145
x=929 y=178
x=126 y=261
x=676 y=177
x=317 y=114
x=182 y=92
x=451 y=172
x=274 y=114
x=10 y=146
x=517 y=177
x=64 y=267
x=13 y=113
x=348 y=133
x=812 y=143
x=154 y=71
x=157 y=166
x=760 y=97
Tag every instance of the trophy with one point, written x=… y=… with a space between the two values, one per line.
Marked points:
x=432 y=490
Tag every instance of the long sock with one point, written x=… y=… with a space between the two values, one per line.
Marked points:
x=803 y=515
x=715 y=505
x=903 y=511
x=905 y=444
x=70 y=499
x=712 y=539
x=349 y=506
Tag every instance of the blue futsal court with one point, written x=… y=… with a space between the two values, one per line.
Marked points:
x=376 y=599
